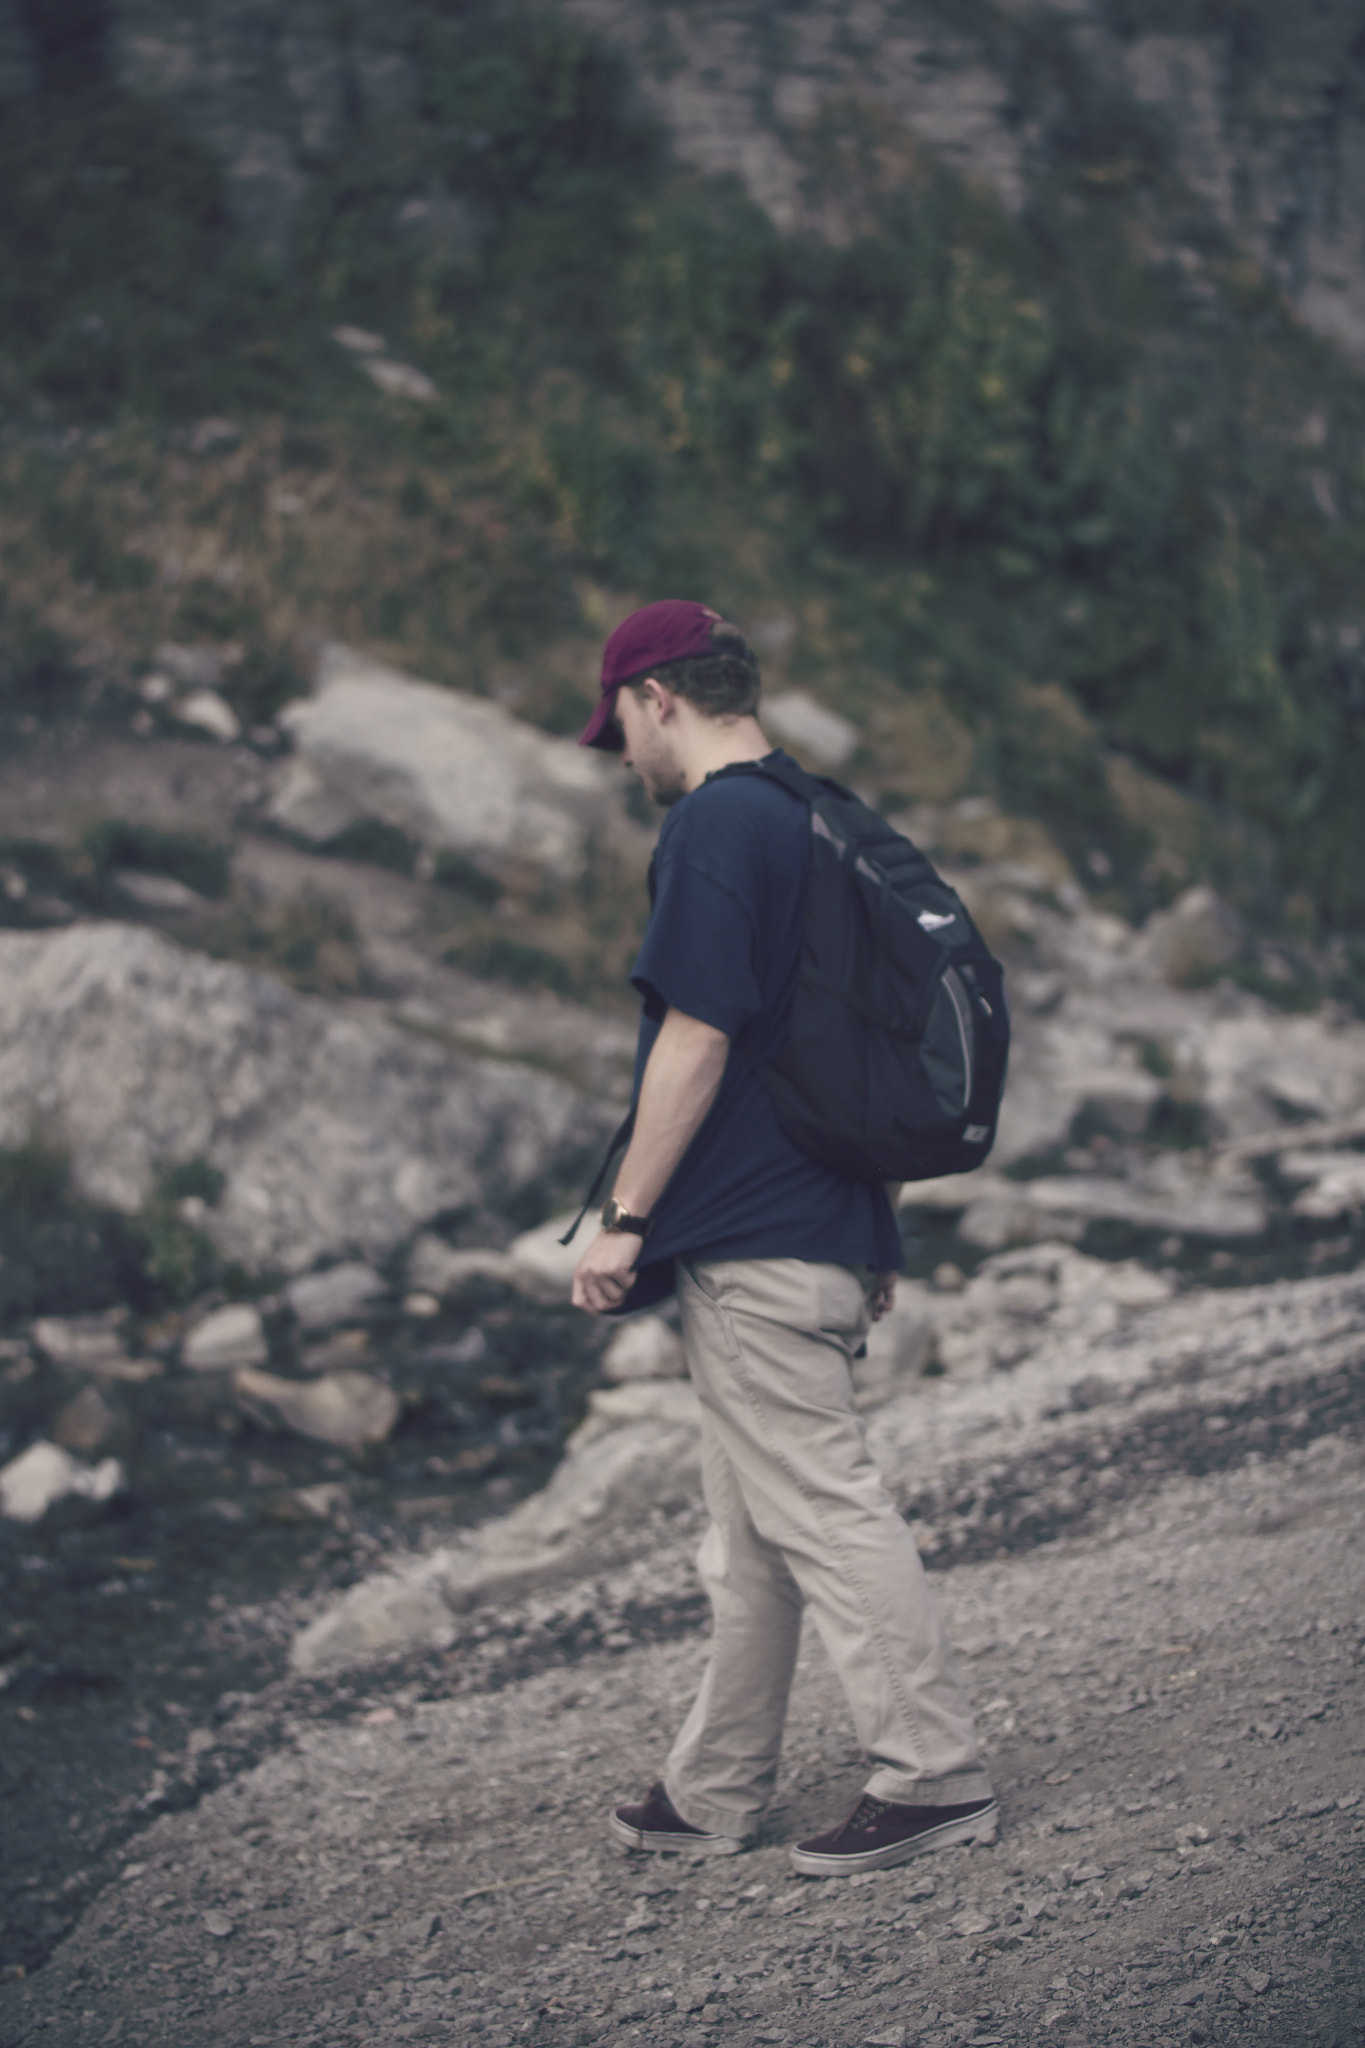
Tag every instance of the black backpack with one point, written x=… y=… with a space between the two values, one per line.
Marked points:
x=892 y=1062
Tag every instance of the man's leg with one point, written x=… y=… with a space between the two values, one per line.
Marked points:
x=769 y=1343
x=722 y=1767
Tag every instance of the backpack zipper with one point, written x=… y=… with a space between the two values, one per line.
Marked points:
x=957 y=995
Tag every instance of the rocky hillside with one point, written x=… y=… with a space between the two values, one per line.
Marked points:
x=995 y=372
x=1258 y=112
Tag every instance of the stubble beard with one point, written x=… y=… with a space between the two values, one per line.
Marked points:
x=661 y=778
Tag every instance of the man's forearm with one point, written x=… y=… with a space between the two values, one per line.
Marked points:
x=680 y=1083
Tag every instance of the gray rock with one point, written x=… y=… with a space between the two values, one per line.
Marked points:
x=319 y=1299
x=1186 y=1206
x=82 y=1343
x=898 y=1347
x=348 y=1409
x=636 y=1455
x=1173 y=1194
x=1330 y=1183
x=400 y=380
x=45 y=1474
x=333 y=1128
x=1192 y=940
x=87 y=1423
x=437 y=1268
x=813 y=728
x=644 y=1349
x=452 y=771
x=198 y=667
x=208 y=712
x=158 y=892
x=542 y=1266
x=227 y=1337
x=1120 y=1100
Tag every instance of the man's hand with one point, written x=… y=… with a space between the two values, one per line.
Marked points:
x=606 y=1271
x=881 y=1295
x=681 y=1077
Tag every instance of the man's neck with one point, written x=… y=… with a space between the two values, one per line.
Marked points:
x=713 y=743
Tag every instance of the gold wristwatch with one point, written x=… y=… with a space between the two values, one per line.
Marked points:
x=616 y=1216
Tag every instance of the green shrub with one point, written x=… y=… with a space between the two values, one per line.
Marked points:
x=309 y=940
x=381 y=845
x=202 y=864
x=501 y=958
x=123 y=283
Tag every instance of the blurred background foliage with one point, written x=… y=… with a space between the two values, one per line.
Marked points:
x=1053 y=517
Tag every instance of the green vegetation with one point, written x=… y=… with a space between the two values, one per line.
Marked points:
x=63 y=1255
x=308 y=940
x=202 y=864
x=1051 y=520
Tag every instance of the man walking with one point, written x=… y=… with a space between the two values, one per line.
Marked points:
x=778 y=1263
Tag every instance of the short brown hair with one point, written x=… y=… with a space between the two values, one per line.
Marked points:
x=725 y=684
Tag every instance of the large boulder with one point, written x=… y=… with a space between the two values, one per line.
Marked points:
x=636 y=1456
x=334 y=1129
x=456 y=773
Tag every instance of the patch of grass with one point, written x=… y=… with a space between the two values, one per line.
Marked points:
x=178 y=1257
x=381 y=845
x=455 y=871
x=57 y=1256
x=123 y=283
x=502 y=958
x=309 y=941
x=201 y=863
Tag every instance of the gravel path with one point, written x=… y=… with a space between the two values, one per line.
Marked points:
x=1173 y=1708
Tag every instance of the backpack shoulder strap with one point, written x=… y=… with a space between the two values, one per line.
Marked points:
x=779 y=767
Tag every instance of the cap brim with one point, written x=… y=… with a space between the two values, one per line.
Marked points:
x=601 y=729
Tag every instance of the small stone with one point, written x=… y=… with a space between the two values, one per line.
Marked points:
x=80 y=1343
x=225 y=1338
x=348 y=1409
x=86 y=1424
x=819 y=732
x=1259 y=1980
x=210 y=713
x=970 y=1922
x=890 y=2037
x=157 y=892
x=1189 y=1994
x=218 y=1925
x=644 y=1349
x=318 y=1299
x=45 y=1474
x=401 y=380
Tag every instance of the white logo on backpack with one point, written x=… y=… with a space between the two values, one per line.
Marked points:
x=932 y=922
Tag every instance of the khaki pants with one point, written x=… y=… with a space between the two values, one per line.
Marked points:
x=800 y=1517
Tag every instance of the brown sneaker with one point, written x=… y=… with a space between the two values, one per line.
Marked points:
x=656 y=1824
x=878 y=1833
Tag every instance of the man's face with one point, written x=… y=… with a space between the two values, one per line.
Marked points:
x=649 y=748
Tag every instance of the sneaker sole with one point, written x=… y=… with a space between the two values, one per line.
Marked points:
x=687 y=1845
x=973 y=1827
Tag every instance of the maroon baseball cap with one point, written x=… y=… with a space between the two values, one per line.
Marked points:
x=668 y=631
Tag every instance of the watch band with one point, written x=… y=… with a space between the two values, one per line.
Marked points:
x=616 y=1217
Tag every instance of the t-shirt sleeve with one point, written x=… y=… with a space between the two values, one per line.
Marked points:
x=699 y=953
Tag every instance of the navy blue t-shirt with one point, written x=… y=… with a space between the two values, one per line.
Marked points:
x=728 y=890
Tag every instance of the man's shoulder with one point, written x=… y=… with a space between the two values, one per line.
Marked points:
x=734 y=802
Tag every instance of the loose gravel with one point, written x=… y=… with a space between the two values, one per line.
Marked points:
x=1171 y=1700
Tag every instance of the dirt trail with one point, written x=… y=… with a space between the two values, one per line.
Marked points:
x=1172 y=1703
